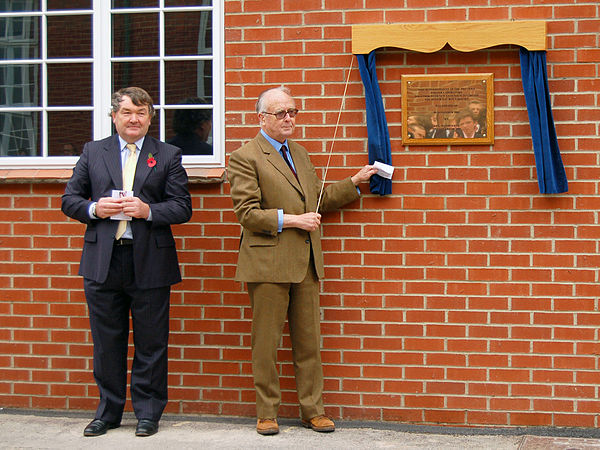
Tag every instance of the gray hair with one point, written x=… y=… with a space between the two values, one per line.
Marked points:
x=260 y=103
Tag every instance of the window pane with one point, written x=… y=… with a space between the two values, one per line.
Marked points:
x=19 y=85
x=188 y=79
x=154 y=129
x=69 y=4
x=19 y=37
x=19 y=5
x=135 y=34
x=79 y=32
x=20 y=134
x=143 y=74
x=134 y=3
x=188 y=33
x=190 y=129
x=70 y=84
x=68 y=131
x=188 y=3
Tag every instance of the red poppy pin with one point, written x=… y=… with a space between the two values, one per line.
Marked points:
x=151 y=161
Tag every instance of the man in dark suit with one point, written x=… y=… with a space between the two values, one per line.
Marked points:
x=129 y=265
x=275 y=191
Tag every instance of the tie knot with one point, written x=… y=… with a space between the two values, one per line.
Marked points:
x=132 y=148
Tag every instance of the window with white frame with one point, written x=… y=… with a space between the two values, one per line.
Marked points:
x=60 y=61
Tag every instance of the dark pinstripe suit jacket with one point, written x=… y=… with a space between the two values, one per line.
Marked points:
x=163 y=187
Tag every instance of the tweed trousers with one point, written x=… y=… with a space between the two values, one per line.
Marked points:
x=271 y=302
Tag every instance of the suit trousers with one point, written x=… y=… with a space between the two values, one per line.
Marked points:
x=109 y=304
x=270 y=303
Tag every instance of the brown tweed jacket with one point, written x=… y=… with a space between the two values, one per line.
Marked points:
x=261 y=182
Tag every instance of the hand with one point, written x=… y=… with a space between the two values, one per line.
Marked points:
x=108 y=206
x=131 y=206
x=364 y=174
x=307 y=221
x=134 y=207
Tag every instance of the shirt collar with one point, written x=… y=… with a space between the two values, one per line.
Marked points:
x=138 y=143
x=276 y=144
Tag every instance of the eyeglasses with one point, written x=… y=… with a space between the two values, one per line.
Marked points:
x=281 y=114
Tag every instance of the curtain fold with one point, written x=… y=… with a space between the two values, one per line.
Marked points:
x=550 y=170
x=378 y=140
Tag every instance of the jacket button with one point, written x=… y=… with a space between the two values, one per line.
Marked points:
x=307 y=241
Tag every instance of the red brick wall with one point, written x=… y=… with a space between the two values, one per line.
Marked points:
x=465 y=297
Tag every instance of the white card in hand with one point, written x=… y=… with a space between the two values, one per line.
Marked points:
x=116 y=193
x=384 y=170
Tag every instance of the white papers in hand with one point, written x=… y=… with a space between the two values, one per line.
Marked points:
x=116 y=193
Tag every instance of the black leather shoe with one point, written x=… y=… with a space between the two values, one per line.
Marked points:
x=146 y=427
x=98 y=427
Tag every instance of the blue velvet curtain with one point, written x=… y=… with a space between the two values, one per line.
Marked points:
x=550 y=170
x=378 y=143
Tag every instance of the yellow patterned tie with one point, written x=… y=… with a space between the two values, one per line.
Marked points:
x=128 y=175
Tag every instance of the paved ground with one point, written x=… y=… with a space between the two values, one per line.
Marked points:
x=20 y=429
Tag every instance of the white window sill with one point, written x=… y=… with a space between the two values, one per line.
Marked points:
x=196 y=175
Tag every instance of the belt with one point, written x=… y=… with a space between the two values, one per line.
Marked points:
x=124 y=242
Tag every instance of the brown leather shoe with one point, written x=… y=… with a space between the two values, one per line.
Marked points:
x=267 y=426
x=321 y=423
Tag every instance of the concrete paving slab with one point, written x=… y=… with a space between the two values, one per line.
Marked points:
x=558 y=443
x=24 y=429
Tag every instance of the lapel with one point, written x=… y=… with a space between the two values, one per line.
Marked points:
x=275 y=159
x=112 y=159
x=141 y=169
x=301 y=170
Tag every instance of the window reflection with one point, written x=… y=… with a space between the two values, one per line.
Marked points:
x=192 y=128
x=19 y=134
x=19 y=5
x=70 y=84
x=62 y=81
x=19 y=37
x=182 y=78
x=68 y=131
x=19 y=85
x=170 y=3
x=188 y=33
x=135 y=34
x=69 y=4
x=134 y=3
x=154 y=129
x=79 y=32
x=143 y=74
